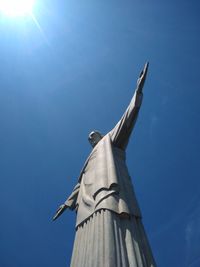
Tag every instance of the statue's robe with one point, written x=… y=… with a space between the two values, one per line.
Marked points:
x=108 y=215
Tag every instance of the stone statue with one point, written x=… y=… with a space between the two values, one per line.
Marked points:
x=109 y=230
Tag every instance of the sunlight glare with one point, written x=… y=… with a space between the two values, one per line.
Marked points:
x=16 y=8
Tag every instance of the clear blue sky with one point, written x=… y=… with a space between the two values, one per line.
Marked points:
x=78 y=73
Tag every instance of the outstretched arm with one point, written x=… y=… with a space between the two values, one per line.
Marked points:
x=121 y=132
x=69 y=203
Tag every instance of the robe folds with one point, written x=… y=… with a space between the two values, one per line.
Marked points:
x=106 y=239
x=114 y=192
x=105 y=201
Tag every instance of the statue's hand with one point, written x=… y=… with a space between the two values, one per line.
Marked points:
x=141 y=79
x=59 y=211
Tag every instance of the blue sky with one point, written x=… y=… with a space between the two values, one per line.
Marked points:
x=77 y=73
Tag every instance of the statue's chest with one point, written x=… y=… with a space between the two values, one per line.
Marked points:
x=89 y=171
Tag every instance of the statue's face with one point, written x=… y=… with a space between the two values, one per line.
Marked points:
x=94 y=137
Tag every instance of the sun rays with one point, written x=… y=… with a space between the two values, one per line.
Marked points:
x=16 y=9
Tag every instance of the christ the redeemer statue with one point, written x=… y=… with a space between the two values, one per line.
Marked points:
x=109 y=229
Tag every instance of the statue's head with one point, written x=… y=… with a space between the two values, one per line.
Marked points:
x=94 y=137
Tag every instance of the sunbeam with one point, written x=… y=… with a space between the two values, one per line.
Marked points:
x=39 y=27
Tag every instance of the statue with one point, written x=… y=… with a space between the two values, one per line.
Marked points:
x=109 y=230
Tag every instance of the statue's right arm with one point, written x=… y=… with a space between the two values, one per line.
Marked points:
x=69 y=203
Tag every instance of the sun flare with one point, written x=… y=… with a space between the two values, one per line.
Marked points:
x=16 y=8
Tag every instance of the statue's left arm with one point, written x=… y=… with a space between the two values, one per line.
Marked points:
x=121 y=132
